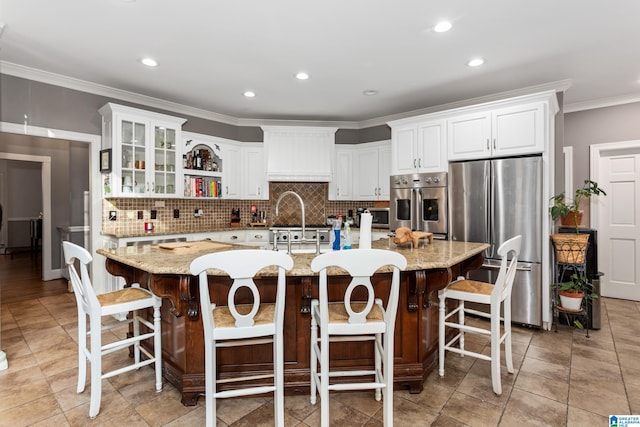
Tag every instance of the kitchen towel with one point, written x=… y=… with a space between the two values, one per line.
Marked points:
x=365 y=230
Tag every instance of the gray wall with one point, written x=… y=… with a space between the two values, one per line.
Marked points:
x=60 y=108
x=69 y=181
x=597 y=126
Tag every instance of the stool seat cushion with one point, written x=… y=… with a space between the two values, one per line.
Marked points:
x=338 y=314
x=122 y=296
x=223 y=318
x=472 y=286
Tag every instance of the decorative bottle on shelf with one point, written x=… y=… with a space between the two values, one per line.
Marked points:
x=336 y=233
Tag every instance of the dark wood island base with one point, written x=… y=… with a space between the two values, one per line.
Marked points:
x=430 y=268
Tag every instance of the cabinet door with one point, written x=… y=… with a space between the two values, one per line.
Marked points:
x=254 y=179
x=231 y=183
x=518 y=130
x=404 y=155
x=384 y=173
x=432 y=156
x=133 y=150
x=366 y=174
x=164 y=158
x=469 y=136
x=342 y=186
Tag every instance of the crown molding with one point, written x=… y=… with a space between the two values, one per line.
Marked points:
x=601 y=103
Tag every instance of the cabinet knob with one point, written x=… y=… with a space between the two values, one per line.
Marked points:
x=414 y=163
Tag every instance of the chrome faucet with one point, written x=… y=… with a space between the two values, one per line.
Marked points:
x=293 y=193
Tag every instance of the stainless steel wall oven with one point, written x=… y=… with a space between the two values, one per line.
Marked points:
x=419 y=201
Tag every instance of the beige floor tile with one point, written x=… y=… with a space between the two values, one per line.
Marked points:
x=471 y=411
x=31 y=412
x=542 y=386
x=523 y=409
x=164 y=408
x=545 y=369
x=555 y=357
x=22 y=386
x=577 y=417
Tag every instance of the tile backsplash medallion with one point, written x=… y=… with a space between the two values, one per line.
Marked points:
x=216 y=213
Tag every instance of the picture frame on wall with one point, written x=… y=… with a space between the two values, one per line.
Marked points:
x=105 y=160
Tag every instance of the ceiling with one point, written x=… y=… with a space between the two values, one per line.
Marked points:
x=211 y=52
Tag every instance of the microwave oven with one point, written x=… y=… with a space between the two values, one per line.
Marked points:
x=380 y=217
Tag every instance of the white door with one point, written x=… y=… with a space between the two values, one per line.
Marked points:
x=616 y=216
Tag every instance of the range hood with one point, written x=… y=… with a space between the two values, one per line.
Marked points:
x=298 y=153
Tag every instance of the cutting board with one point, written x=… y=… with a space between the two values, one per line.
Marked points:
x=201 y=245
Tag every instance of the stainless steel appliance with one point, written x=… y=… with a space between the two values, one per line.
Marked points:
x=292 y=238
x=492 y=201
x=379 y=217
x=419 y=201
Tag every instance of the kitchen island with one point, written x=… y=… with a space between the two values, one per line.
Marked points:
x=430 y=267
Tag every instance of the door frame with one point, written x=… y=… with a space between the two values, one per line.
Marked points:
x=95 y=206
x=596 y=153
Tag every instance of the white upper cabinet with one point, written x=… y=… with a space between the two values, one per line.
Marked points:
x=298 y=153
x=372 y=169
x=418 y=147
x=341 y=186
x=254 y=178
x=144 y=153
x=499 y=132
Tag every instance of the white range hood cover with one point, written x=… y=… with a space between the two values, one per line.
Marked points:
x=298 y=153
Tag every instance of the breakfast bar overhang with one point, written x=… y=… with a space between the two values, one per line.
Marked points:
x=430 y=267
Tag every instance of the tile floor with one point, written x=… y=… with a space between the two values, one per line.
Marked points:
x=560 y=379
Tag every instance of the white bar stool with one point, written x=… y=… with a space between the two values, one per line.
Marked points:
x=494 y=295
x=242 y=324
x=355 y=319
x=96 y=306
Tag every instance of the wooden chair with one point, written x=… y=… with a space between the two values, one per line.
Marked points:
x=94 y=306
x=355 y=319
x=242 y=324
x=493 y=295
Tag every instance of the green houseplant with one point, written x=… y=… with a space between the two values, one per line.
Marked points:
x=569 y=209
x=573 y=293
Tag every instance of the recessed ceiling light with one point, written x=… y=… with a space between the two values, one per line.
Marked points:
x=370 y=92
x=442 y=27
x=302 y=76
x=249 y=94
x=475 y=62
x=149 y=62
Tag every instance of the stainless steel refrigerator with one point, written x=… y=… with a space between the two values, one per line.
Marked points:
x=491 y=201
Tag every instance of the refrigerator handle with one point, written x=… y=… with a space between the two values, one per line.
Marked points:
x=488 y=212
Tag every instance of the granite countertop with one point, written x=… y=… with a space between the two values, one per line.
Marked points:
x=156 y=260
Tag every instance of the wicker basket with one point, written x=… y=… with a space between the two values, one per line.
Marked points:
x=570 y=248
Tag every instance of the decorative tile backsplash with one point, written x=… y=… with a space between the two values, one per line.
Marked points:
x=216 y=213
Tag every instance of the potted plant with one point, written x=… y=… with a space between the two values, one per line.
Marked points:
x=568 y=210
x=572 y=293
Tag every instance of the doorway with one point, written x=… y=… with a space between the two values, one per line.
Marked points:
x=616 y=168
x=94 y=201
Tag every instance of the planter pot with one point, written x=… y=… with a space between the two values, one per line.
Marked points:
x=571 y=220
x=571 y=301
x=570 y=248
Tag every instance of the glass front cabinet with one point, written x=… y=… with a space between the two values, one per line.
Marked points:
x=144 y=153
